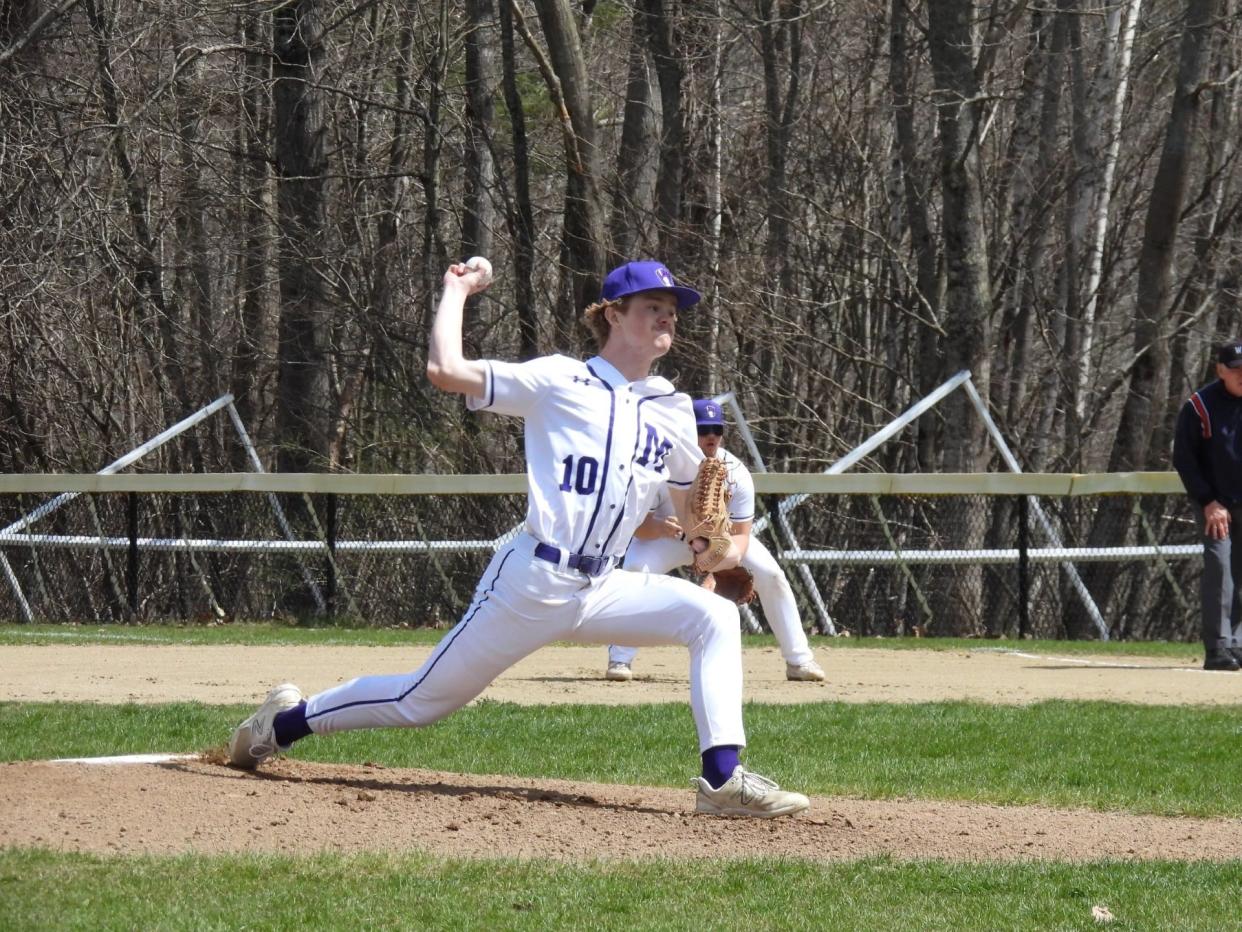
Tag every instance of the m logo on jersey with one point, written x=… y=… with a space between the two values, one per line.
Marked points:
x=654 y=450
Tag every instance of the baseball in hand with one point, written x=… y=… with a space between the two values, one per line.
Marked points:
x=480 y=264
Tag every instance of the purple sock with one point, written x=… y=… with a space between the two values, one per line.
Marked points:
x=719 y=763
x=290 y=725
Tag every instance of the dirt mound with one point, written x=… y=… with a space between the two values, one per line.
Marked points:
x=297 y=807
x=291 y=806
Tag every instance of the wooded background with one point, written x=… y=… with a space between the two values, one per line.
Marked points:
x=201 y=197
x=262 y=198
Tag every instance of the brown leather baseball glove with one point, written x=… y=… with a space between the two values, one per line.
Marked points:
x=736 y=585
x=709 y=514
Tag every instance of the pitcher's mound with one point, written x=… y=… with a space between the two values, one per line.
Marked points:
x=200 y=805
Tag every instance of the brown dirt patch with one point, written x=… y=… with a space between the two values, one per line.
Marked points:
x=296 y=807
x=229 y=674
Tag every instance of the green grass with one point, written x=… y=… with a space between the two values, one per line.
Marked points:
x=273 y=634
x=197 y=634
x=46 y=890
x=1154 y=759
x=1168 y=760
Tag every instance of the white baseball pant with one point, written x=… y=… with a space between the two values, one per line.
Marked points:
x=523 y=603
x=779 y=605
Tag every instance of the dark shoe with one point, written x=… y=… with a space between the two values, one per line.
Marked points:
x=1220 y=658
x=1237 y=654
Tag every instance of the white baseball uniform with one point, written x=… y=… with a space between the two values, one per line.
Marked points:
x=598 y=450
x=779 y=605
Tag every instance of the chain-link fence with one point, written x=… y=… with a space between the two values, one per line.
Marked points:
x=890 y=565
x=994 y=565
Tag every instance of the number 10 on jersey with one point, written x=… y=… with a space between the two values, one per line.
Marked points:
x=582 y=478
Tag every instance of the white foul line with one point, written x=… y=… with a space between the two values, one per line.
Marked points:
x=1114 y=664
x=126 y=759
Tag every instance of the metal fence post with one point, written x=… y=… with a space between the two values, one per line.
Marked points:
x=330 y=535
x=1024 y=567
x=131 y=565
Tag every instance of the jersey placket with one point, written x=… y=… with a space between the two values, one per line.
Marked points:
x=610 y=504
x=635 y=489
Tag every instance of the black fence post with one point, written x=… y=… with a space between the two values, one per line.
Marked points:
x=331 y=535
x=131 y=566
x=1024 y=567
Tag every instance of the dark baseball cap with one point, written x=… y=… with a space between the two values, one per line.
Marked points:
x=646 y=275
x=1230 y=354
x=707 y=413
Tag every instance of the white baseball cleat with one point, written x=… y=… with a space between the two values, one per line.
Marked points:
x=809 y=672
x=254 y=740
x=618 y=672
x=748 y=794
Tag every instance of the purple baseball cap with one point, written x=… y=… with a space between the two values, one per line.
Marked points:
x=707 y=413
x=646 y=275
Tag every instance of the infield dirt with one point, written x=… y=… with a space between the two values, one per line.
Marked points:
x=295 y=806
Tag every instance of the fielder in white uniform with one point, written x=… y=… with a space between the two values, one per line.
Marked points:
x=602 y=438
x=659 y=546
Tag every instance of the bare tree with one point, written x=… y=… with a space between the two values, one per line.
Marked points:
x=479 y=214
x=634 y=188
x=662 y=27
x=967 y=299
x=519 y=208
x=254 y=344
x=298 y=133
x=928 y=283
x=584 y=242
x=1113 y=85
x=1142 y=411
x=1143 y=408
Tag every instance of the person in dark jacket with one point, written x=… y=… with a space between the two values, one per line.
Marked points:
x=1207 y=454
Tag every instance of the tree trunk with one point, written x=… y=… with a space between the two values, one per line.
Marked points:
x=1141 y=410
x=146 y=276
x=1032 y=292
x=929 y=368
x=434 y=250
x=967 y=300
x=714 y=197
x=1146 y=393
x=303 y=400
x=193 y=276
x=521 y=213
x=1113 y=84
x=255 y=312
x=634 y=193
x=478 y=215
x=670 y=72
x=1194 y=313
x=584 y=243
x=780 y=45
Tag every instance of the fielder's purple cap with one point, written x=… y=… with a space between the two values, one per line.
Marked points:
x=647 y=275
x=707 y=413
